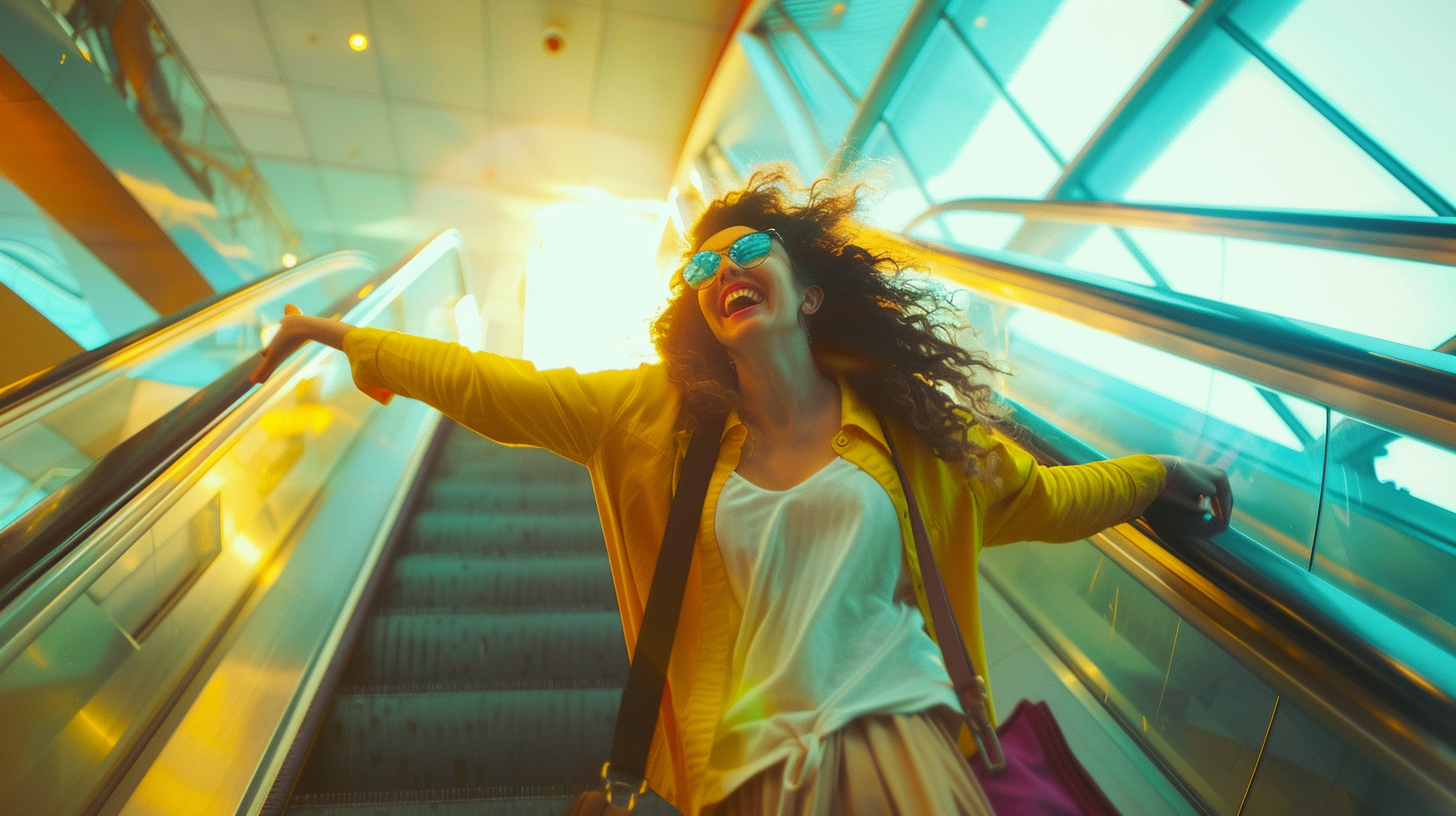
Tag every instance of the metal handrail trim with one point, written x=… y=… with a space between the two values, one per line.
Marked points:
x=23 y=396
x=1427 y=239
x=34 y=606
x=1404 y=388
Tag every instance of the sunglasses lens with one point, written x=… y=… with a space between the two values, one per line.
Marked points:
x=701 y=269
x=751 y=249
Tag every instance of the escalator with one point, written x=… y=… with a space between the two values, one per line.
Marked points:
x=292 y=599
x=488 y=669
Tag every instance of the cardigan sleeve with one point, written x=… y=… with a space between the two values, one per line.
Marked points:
x=1023 y=500
x=504 y=398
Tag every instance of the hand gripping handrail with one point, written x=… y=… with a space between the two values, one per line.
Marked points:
x=1412 y=238
x=1404 y=388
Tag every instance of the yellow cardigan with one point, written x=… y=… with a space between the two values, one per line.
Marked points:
x=620 y=424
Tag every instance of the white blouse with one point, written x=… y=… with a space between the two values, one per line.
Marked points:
x=826 y=637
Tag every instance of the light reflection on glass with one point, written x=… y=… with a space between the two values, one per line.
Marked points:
x=1256 y=143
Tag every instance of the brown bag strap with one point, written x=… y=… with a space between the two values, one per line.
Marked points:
x=970 y=689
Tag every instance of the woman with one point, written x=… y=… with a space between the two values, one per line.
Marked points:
x=802 y=679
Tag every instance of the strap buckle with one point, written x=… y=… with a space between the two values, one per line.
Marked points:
x=618 y=788
x=987 y=742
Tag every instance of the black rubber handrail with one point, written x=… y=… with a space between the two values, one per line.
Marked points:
x=47 y=532
x=1430 y=239
x=22 y=390
x=1284 y=597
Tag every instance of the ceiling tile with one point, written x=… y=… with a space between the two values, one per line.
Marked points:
x=312 y=39
x=432 y=50
x=360 y=201
x=538 y=158
x=528 y=82
x=264 y=134
x=346 y=129
x=631 y=166
x=297 y=186
x=653 y=72
x=219 y=36
x=434 y=142
x=261 y=95
x=710 y=12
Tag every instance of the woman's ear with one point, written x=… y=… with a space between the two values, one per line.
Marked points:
x=813 y=299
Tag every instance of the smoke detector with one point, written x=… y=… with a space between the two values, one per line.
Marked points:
x=553 y=39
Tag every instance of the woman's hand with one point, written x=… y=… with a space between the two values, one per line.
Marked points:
x=294 y=332
x=1199 y=489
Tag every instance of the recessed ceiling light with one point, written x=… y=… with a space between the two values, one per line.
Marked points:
x=289 y=260
x=358 y=42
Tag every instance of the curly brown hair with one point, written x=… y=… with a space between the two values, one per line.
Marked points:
x=888 y=333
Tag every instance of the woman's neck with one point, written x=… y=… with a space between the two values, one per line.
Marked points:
x=784 y=391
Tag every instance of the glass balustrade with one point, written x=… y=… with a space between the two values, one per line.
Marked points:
x=45 y=442
x=93 y=653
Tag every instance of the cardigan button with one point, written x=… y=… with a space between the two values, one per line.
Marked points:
x=840 y=441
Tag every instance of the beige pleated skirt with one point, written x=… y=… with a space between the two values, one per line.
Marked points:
x=878 y=765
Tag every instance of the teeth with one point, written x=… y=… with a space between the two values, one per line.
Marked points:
x=748 y=293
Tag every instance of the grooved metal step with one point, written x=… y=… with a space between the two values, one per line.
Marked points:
x=487 y=675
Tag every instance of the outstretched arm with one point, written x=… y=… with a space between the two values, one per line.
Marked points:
x=1026 y=501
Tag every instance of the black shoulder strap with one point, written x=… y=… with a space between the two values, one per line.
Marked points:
x=642 y=698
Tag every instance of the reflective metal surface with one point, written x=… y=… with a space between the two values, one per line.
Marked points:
x=97 y=651
x=50 y=435
x=1416 y=239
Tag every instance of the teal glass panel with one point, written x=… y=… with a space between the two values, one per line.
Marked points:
x=752 y=130
x=1186 y=700
x=1389 y=70
x=1068 y=62
x=1256 y=143
x=900 y=199
x=1402 y=301
x=1105 y=253
x=829 y=106
x=1387 y=531
x=853 y=37
x=1307 y=769
x=1122 y=398
x=961 y=136
x=972 y=230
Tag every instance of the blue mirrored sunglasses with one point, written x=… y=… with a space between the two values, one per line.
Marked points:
x=747 y=252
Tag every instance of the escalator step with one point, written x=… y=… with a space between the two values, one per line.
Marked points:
x=498 y=534
x=465 y=495
x=455 y=581
x=407 y=648
x=461 y=739
x=512 y=468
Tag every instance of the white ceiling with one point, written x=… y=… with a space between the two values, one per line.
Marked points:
x=455 y=115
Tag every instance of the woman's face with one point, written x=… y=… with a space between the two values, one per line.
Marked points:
x=749 y=307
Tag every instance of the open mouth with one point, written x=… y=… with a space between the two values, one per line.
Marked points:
x=740 y=297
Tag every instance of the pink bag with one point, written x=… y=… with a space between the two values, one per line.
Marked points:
x=1042 y=777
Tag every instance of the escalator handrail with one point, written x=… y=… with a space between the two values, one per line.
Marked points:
x=1403 y=673
x=42 y=536
x=1401 y=387
x=160 y=330
x=1430 y=239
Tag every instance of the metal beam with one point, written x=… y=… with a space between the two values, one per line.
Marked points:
x=50 y=163
x=913 y=33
